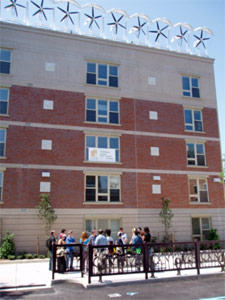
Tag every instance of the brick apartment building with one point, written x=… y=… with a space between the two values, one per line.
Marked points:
x=108 y=129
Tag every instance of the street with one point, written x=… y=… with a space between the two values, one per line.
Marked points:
x=200 y=288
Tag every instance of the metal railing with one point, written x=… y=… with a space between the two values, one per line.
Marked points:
x=145 y=258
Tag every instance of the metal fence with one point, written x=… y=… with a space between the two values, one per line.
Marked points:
x=145 y=258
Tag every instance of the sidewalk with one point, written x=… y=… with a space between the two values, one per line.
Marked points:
x=35 y=273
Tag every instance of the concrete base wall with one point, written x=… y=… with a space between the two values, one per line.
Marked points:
x=28 y=228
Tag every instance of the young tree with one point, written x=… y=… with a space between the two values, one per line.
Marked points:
x=46 y=212
x=166 y=216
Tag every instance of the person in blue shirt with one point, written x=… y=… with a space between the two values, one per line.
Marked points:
x=70 y=250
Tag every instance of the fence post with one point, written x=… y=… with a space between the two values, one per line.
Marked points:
x=146 y=259
x=197 y=256
x=90 y=261
x=53 y=260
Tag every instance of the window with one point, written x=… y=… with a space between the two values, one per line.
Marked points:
x=190 y=86
x=102 y=74
x=2 y=142
x=198 y=190
x=102 y=111
x=5 y=61
x=96 y=149
x=201 y=228
x=193 y=120
x=113 y=224
x=102 y=188
x=195 y=154
x=1 y=185
x=4 y=100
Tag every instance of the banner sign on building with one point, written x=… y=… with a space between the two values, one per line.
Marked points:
x=102 y=155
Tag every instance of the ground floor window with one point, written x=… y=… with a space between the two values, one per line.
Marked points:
x=201 y=227
x=100 y=223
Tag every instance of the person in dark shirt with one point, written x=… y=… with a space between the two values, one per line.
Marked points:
x=146 y=236
x=52 y=240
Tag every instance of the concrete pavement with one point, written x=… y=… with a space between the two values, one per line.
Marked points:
x=34 y=273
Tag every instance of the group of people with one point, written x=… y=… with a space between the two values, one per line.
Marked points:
x=65 y=254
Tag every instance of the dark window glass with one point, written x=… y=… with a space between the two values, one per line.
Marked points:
x=197 y=115
x=4 y=67
x=195 y=92
x=2 y=148
x=186 y=83
x=196 y=226
x=191 y=151
x=102 y=82
x=3 y=107
x=91 y=104
x=5 y=55
x=113 y=106
x=102 y=184
x=90 y=181
x=90 y=195
x=203 y=196
x=194 y=82
x=113 y=70
x=198 y=126
x=113 y=81
x=114 y=195
x=91 y=78
x=113 y=118
x=102 y=198
x=91 y=67
x=188 y=116
x=91 y=116
x=186 y=94
x=102 y=71
x=200 y=160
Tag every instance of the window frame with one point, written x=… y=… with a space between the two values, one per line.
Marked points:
x=193 y=125
x=201 y=235
x=101 y=194
x=6 y=61
x=1 y=185
x=102 y=79
x=196 y=155
x=7 y=101
x=96 y=146
x=197 y=195
x=96 y=224
x=4 y=143
x=189 y=92
x=96 y=110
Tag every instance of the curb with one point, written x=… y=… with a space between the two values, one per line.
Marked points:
x=22 y=261
x=139 y=281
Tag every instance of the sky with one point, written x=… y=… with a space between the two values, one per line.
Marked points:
x=197 y=13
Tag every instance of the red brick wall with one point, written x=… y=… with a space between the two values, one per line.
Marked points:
x=22 y=186
x=22 y=190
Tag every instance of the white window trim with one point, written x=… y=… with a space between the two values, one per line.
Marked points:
x=201 y=230
x=4 y=128
x=96 y=110
x=108 y=141
x=193 y=120
x=102 y=79
x=6 y=88
x=195 y=153
x=96 y=189
x=190 y=83
x=1 y=196
x=11 y=50
x=198 y=189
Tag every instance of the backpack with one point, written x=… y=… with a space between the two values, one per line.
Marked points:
x=48 y=244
